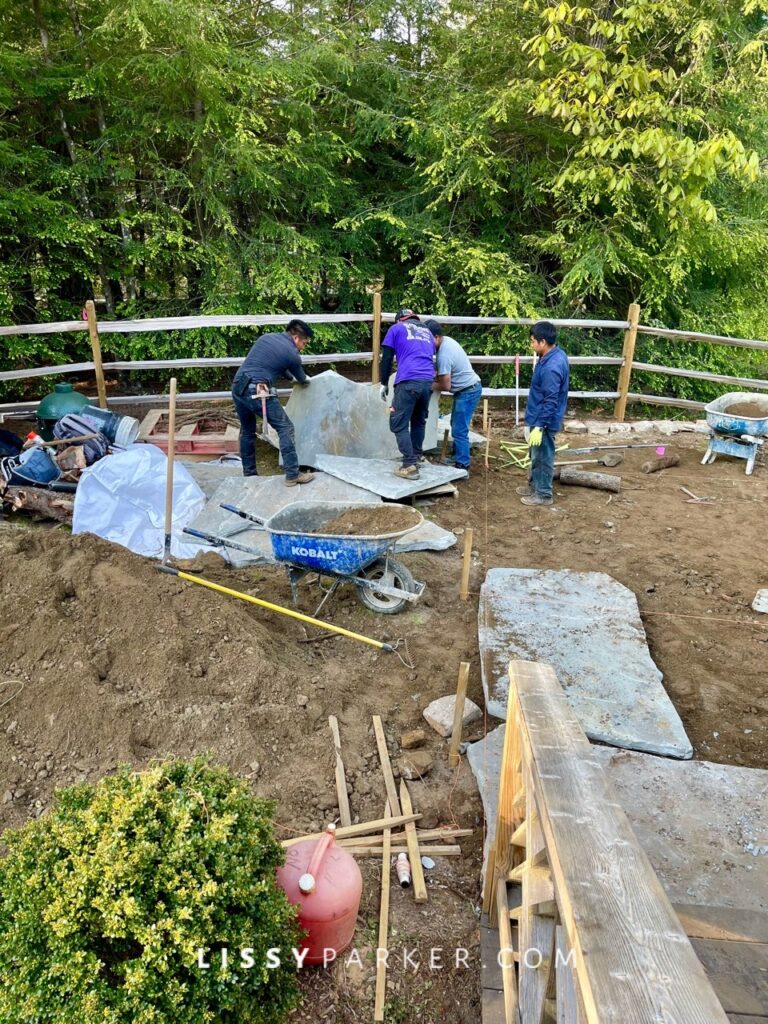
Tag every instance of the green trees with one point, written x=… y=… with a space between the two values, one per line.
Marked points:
x=497 y=157
x=106 y=900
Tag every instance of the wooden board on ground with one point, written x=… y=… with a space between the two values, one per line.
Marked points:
x=726 y=923
x=738 y=972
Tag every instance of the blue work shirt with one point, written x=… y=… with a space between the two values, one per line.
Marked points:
x=548 y=396
x=272 y=356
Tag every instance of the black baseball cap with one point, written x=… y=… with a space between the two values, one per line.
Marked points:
x=405 y=314
x=434 y=327
x=303 y=328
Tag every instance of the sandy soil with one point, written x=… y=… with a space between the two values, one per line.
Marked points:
x=104 y=660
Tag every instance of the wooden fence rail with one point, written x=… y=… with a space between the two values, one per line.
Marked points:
x=597 y=940
x=622 y=396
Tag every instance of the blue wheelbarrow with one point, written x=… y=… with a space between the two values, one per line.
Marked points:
x=382 y=583
x=733 y=433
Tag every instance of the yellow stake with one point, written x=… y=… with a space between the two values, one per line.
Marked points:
x=276 y=608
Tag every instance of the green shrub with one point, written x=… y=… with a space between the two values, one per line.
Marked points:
x=105 y=901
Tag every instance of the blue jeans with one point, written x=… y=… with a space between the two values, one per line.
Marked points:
x=408 y=419
x=462 y=411
x=543 y=464
x=248 y=408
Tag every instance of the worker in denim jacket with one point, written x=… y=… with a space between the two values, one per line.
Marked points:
x=544 y=412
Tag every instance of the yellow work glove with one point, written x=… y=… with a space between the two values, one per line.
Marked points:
x=536 y=437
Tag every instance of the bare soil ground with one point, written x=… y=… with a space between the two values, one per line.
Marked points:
x=104 y=660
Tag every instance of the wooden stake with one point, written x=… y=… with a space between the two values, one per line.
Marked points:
x=485 y=416
x=466 y=565
x=414 y=854
x=376 y=337
x=488 y=443
x=169 y=470
x=444 y=449
x=341 y=781
x=627 y=355
x=381 y=961
x=362 y=829
x=386 y=767
x=93 y=331
x=458 y=714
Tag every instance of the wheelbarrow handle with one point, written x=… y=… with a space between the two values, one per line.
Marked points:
x=243 y=515
x=216 y=541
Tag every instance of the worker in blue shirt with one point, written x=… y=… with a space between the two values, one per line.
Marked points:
x=544 y=412
x=253 y=390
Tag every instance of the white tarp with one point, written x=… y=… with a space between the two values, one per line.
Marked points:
x=121 y=498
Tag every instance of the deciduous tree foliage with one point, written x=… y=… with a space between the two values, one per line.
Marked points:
x=497 y=157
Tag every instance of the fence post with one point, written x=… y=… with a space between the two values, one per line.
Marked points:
x=376 y=334
x=628 y=354
x=93 y=331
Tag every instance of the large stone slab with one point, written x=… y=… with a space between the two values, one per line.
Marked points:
x=377 y=475
x=208 y=475
x=703 y=826
x=336 y=416
x=264 y=496
x=587 y=626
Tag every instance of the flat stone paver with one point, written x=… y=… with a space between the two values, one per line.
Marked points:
x=587 y=626
x=377 y=475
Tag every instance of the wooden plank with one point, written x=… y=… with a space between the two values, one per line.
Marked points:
x=617 y=918
x=458 y=714
x=381 y=949
x=424 y=835
x=734 y=924
x=427 y=851
x=386 y=767
x=741 y=1018
x=341 y=780
x=519 y=835
x=568 y=1009
x=361 y=829
x=738 y=972
x=537 y=933
x=508 y=973
x=510 y=810
x=712 y=339
x=671 y=371
x=414 y=855
x=376 y=337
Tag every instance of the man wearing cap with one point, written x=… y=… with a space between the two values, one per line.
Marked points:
x=411 y=345
x=455 y=374
x=271 y=356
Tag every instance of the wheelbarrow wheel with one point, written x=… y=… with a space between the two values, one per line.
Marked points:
x=391 y=574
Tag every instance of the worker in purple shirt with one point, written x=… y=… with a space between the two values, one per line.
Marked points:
x=411 y=345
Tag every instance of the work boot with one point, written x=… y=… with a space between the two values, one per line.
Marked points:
x=408 y=472
x=302 y=478
x=447 y=461
x=525 y=490
x=536 y=499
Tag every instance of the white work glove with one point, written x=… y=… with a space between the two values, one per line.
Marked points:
x=383 y=392
x=306 y=382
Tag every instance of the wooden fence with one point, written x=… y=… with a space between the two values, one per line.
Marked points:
x=590 y=937
x=625 y=363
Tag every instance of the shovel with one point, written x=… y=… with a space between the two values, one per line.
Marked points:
x=609 y=459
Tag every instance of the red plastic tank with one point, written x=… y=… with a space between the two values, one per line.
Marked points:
x=324 y=881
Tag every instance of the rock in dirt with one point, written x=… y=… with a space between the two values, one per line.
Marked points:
x=760 y=603
x=415 y=764
x=412 y=739
x=440 y=713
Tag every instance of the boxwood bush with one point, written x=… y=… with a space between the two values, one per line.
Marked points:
x=106 y=900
